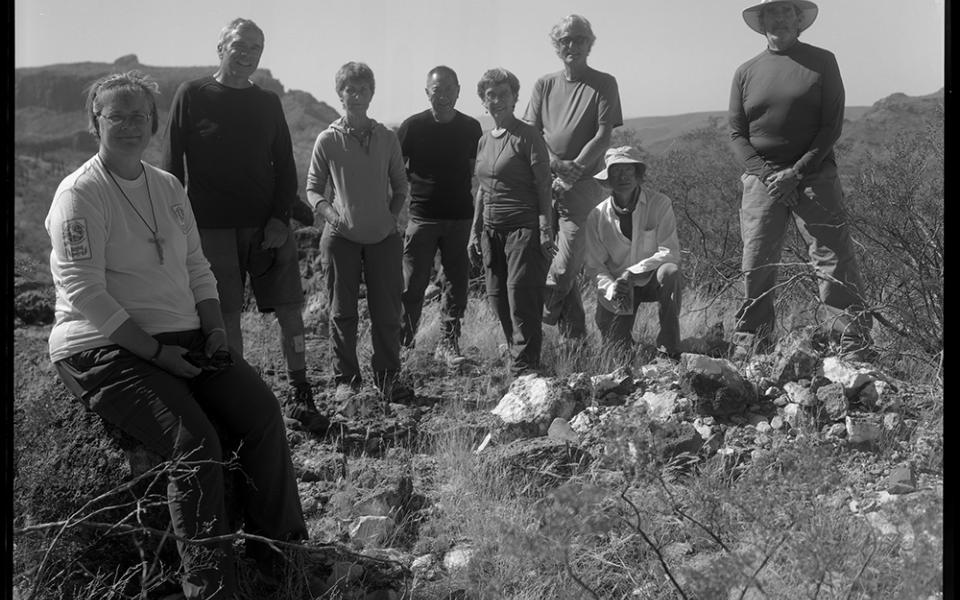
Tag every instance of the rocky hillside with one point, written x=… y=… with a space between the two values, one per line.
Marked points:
x=49 y=102
x=791 y=475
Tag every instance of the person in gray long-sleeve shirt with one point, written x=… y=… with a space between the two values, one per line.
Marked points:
x=362 y=239
x=786 y=113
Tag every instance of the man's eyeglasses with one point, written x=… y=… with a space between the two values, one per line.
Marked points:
x=115 y=119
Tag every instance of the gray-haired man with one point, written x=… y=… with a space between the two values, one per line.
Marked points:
x=228 y=142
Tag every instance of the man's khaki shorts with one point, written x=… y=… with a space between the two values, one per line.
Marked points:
x=274 y=273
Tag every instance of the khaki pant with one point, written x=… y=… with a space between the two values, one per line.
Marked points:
x=823 y=223
x=380 y=267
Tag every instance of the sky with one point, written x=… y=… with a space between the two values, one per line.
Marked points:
x=669 y=56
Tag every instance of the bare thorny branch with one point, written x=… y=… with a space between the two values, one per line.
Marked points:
x=656 y=550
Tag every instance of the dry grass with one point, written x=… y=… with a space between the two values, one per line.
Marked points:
x=632 y=526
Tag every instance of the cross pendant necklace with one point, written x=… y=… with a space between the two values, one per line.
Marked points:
x=156 y=240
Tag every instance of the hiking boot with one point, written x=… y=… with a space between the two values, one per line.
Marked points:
x=392 y=390
x=448 y=352
x=299 y=406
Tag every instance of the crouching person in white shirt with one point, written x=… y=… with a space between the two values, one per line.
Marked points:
x=634 y=254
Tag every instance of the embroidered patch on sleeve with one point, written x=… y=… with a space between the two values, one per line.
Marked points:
x=76 y=243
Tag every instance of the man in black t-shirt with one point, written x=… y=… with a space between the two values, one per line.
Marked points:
x=439 y=147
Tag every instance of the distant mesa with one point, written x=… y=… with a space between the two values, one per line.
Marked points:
x=127 y=62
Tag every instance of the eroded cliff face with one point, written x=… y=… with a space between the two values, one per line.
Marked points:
x=63 y=87
x=49 y=100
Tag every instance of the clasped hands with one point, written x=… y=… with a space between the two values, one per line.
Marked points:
x=783 y=187
x=567 y=173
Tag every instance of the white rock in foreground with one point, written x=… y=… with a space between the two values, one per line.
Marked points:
x=534 y=399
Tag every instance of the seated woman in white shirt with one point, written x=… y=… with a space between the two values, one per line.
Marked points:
x=139 y=337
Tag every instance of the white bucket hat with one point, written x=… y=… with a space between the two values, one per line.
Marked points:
x=808 y=13
x=618 y=156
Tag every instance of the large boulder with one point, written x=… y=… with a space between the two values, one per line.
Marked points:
x=673 y=439
x=533 y=402
x=714 y=385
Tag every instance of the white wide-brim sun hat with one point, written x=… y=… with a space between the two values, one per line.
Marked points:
x=619 y=156
x=808 y=13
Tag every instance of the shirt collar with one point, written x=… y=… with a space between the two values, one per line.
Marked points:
x=640 y=198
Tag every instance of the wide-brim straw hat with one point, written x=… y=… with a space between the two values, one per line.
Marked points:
x=808 y=14
x=619 y=156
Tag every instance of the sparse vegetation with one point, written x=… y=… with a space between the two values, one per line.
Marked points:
x=792 y=514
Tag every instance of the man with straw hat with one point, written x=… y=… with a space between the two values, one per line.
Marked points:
x=786 y=113
x=634 y=254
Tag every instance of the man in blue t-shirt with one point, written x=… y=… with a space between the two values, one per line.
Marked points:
x=439 y=147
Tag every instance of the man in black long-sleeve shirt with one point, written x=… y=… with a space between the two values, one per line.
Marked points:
x=228 y=142
x=786 y=112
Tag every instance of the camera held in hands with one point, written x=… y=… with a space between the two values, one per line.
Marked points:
x=221 y=359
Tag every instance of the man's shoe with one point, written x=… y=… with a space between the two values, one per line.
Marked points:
x=299 y=406
x=448 y=352
x=394 y=391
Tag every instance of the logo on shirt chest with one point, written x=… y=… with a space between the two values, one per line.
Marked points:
x=180 y=216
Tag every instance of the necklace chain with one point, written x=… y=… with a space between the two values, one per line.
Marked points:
x=156 y=240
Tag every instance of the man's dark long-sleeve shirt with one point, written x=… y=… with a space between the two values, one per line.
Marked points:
x=786 y=110
x=232 y=149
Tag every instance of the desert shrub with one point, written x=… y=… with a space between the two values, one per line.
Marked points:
x=897 y=203
x=69 y=473
x=701 y=176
